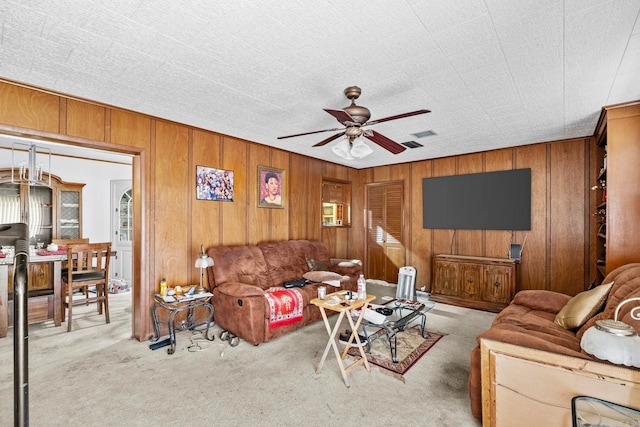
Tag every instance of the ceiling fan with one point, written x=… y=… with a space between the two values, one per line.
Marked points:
x=354 y=118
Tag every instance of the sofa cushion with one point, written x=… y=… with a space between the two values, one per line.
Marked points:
x=582 y=307
x=237 y=289
x=242 y=264
x=535 y=323
x=541 y=300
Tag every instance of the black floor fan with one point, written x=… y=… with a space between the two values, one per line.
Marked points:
x=17 y=235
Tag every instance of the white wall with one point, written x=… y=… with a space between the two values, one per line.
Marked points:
x=96 y=198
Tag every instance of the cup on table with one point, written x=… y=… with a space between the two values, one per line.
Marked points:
x=322 y=292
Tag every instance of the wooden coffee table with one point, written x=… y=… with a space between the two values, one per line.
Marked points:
x=343 y=308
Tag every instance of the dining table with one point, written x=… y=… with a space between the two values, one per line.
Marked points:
x=55 y=259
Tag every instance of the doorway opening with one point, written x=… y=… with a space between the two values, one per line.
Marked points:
x=91 y=152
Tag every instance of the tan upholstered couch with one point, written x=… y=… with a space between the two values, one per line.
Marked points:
x=241 y=274
x=529 y=321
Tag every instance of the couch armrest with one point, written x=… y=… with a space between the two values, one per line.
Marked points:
x=541 y=300
x=354 y=270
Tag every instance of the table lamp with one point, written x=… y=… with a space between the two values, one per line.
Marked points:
x=203 y=261
x=614 y=340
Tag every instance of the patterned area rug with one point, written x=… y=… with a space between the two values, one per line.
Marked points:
x=410 y=348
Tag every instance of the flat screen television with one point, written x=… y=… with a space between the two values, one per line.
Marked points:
x=479 y=201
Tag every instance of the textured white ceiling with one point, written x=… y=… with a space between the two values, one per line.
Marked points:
x=494 y=73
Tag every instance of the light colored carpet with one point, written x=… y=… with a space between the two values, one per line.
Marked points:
x=98 y=376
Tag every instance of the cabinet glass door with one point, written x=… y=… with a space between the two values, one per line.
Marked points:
x=9 y=203
x=40 y=216
x=40 y=213
x=69 y=215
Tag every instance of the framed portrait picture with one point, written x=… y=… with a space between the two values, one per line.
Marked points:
x=270 y=187
x=214 y=184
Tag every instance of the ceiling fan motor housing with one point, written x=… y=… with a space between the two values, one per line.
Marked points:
x=359 y=114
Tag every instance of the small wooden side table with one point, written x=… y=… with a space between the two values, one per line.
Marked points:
x=344 y=308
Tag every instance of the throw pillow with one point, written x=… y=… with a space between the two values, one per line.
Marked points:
x=321 y=276
x=583 y=306
x=316 y=265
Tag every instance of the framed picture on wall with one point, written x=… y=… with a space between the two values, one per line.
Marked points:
x=270 y=187
x=214 y=184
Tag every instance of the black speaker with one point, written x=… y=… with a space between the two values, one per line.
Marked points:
x=515 y=251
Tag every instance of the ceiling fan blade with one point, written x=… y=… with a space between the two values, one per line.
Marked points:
x=328 y=140
x=384 y=142
x=310 y=133
x=399 y=116
x=342 y=116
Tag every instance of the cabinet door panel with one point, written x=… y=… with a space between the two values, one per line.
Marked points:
x=471 y=281
x=446 y=278
x=39 y=278
x=497 y=284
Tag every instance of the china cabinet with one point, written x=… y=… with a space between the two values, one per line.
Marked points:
x=52 y=212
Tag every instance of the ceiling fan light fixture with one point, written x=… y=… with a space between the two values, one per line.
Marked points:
x=343 y=149
x=359 y=149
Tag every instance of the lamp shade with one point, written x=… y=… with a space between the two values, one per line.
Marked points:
x=613 y=340
x=606 y=345
x=204 y=262
x=360 y=149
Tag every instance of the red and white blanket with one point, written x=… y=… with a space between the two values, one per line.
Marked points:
x=285 y=306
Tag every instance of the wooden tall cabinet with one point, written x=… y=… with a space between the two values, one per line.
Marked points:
x=617 y=214
x=474 y=282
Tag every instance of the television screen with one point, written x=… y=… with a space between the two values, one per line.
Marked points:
x=478 y=201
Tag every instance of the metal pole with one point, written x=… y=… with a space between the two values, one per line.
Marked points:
x=17 y=235
x=21 y=335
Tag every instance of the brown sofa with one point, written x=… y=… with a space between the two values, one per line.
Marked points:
x=241 y=274
x=529 y=321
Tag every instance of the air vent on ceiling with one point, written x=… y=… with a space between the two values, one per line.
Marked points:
x=424 y=134
x=412 y=144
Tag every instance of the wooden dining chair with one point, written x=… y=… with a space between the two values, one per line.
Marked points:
x=87 y=265
x=62 y=244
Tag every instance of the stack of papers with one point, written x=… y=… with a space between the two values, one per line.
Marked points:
x=334 y=283
x=186 y=297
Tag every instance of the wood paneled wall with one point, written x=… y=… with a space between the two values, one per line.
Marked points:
x=171 y=224
x=556 y=254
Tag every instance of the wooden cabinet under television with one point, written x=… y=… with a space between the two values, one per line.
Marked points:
x=474 y=282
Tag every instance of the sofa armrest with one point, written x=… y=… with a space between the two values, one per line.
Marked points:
x=353 y=270
x=541 y=300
